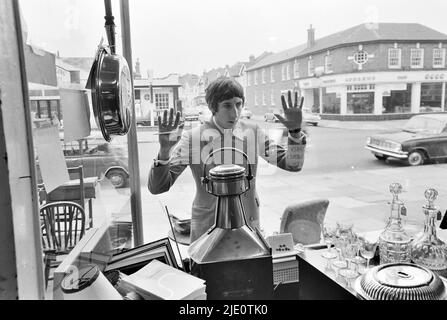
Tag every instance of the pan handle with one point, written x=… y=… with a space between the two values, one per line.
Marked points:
x=110 y=25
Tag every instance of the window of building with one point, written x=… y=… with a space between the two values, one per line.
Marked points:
x=264 y=102
x=296 y=69
x=137 y=94
x=394 y=58
x=263 y=75
x=256 y=77
x=283 y=72
x=417 y=58
x=431 y=96
x=397 y=101
x=249 y=75
x=288 y=72
x=272 y=74
x=256 y=98
x=360 y=103
x=331 y=103
x=162 y=100
x=361 y=87
x=272 y=98
x=361 y=57
x=310 y=67
x=328 y=64
x=438 y=57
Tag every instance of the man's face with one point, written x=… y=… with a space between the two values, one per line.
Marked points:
x=228 y=112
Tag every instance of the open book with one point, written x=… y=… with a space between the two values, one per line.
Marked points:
x=159 y=281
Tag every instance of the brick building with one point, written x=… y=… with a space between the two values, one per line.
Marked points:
x=370 y=71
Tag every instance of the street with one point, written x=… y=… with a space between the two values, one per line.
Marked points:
x=328 y=150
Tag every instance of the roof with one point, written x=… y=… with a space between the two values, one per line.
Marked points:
x=361 y=33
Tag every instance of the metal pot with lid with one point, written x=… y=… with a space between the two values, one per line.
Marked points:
x=400 y=281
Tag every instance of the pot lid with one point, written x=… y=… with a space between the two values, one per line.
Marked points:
x=403 y=276
x=400 y=281
x=227 y=170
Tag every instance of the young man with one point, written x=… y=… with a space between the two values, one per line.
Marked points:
x=225 y=99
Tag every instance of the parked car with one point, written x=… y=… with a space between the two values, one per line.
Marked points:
x=270 y=114
x=423 y=138
x=99 y=159
x=191 y=114
x=310 y=117
x=246 y=113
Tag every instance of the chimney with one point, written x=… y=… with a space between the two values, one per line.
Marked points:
x=137 y=74
x=310 y=37
x=251 y=58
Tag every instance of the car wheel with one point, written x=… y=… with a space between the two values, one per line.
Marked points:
x=381 y=157
x=415 y=158
x=118 y=178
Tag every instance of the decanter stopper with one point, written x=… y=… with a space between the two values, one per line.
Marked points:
x=395 y=189
x=431 y=195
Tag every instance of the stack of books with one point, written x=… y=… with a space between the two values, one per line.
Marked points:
x=159 y=281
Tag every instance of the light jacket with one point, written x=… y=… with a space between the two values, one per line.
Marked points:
x=197 y=143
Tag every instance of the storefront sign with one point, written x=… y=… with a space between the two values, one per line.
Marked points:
x=360 y=79
x=434 y=76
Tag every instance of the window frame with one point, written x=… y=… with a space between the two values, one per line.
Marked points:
x=327 y=63
x=421 y=58
x=159 y=100
x=296 y=69
x=399 y=58
x=272 y=74
x=442 y=57
x=310 y=67
x=263 y=75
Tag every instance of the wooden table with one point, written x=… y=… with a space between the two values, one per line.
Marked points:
x=70 y=191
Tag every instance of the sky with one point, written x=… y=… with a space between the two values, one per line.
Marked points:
x=190 y=36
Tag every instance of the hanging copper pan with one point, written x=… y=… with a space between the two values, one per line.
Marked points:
x=110 y=83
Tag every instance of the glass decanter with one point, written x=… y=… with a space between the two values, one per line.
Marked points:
x=427 y=250
x=394 y=242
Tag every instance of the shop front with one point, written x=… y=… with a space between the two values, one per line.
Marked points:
x=383 y=94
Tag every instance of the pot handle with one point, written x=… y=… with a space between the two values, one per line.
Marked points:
x=205 y=178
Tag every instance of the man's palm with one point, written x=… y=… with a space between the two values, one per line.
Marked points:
x=293 y=114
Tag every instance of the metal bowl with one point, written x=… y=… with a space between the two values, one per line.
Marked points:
x=400 y=281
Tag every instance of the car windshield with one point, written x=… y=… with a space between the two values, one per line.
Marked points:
x=424 y=124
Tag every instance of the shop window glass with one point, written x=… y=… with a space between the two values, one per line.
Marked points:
x=357 y=186
x=316 y=97
x=397 y=101
x=360 y=103
x=331 y=104
x=431 y=95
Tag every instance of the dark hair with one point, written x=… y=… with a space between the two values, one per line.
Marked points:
x=221 y=89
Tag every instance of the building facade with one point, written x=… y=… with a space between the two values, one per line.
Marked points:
x=154 y=96
x=371 y=71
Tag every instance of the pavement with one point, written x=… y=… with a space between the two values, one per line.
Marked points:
x=359 y=196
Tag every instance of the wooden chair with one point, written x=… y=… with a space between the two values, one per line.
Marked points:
x=303 y=220
x=62 y=226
